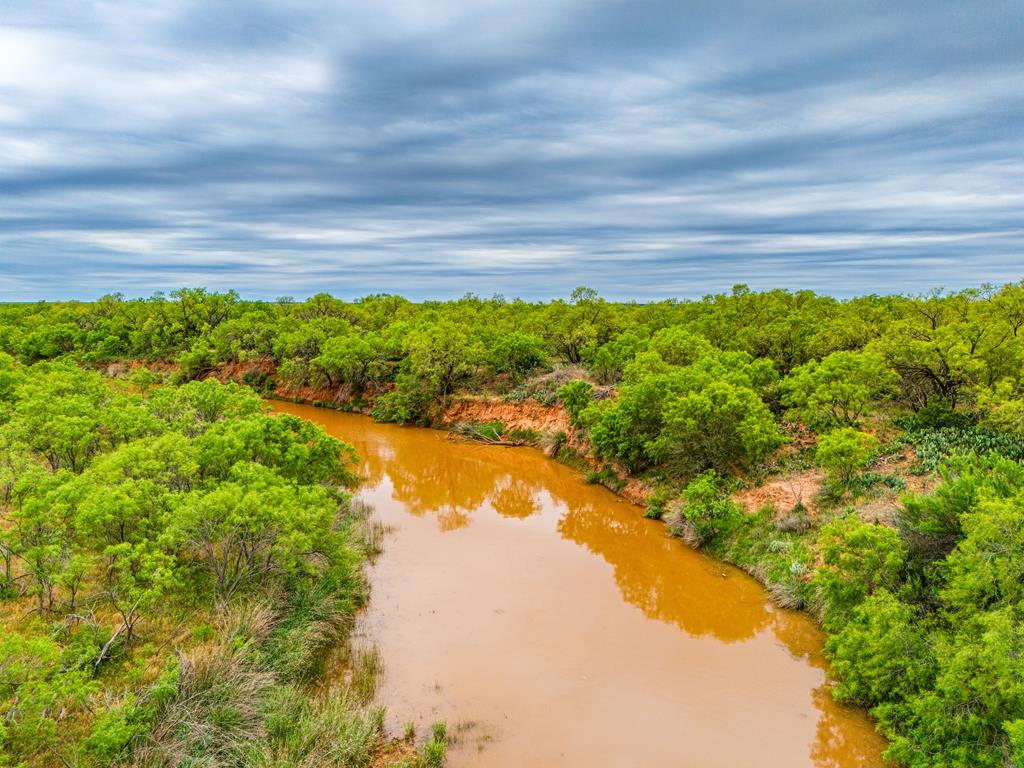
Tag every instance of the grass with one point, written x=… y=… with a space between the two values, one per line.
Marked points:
x=240 y=702
x=606 y=477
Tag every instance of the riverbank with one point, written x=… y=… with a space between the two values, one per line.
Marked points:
x=784 y=502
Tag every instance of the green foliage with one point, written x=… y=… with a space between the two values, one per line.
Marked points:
x=194 y=362
x=95 y=484
x=609 y=361
x=935 y=446
x=353 y=360
x=858 y=559
x=837 y=390
x=576 y=396
x=707 y=512
x=35 y=693
x=1002 y=406
x=707 y=414
x=933 y=642
x=937 y=414
x=517 y=353
x=121 y=514
x=844 y=452
x=881 y=655
x=719 y=426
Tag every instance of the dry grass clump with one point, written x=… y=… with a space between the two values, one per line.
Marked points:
x=682 y=528
x=796 y=520
x=785 y=596
x=241 y=702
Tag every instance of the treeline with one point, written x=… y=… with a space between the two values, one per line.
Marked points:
x=175 y=568
x=955 y=350
x=701 y=398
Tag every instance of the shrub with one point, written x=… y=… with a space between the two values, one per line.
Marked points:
x=880 y=655
x=576 y=396
x=843 y=452
x=708 y=512
x=858 y=559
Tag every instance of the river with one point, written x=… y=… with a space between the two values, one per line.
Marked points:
x=550 y=624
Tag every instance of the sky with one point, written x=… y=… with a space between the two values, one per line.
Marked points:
x=645 y=148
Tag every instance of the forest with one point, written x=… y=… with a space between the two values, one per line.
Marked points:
x=180 y=568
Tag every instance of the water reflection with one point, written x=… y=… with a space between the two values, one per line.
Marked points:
x=495 y=580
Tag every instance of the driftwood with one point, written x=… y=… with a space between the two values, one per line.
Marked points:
x=468 y=432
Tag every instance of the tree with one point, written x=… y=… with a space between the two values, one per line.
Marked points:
x=256 y=525
x=41 y=531
x=978 y=689
x=838 y=390
x=351 y=359
x=35 y=692
x=880 y=655
x=1002 y=406
x=718 y=426
x=440 y=357
x=608 y=361
x=296 y=448
x=986 y=569
x=517 y=353
x=57 y=414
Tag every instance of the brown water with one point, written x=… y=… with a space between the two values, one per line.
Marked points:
x=550 y=624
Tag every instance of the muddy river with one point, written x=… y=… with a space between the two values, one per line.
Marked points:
x=550 y=624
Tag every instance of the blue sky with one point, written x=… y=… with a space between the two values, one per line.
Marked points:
x=429 y=147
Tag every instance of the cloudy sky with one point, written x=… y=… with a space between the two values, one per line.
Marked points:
x=646 y=148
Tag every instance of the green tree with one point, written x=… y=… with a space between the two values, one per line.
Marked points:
x=718 y=426
x=838 y=390
x=254 y=526
x=58 y=414
x=881 y=655
x=517 y=353
x=353 y=360
x=35 y=694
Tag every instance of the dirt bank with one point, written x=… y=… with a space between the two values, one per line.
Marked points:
x=526 y=414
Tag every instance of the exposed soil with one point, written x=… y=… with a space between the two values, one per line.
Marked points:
x=784 y=493
x=528 y=414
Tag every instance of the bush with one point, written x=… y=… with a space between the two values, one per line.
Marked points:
x=708 y=512
x=843 y=452
x=858 y=559
x=880 y=655
x=938 y=414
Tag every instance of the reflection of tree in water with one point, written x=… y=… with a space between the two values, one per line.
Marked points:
x=434 y=476
x=515 y=499
x=652 y=574
x=841 y=741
